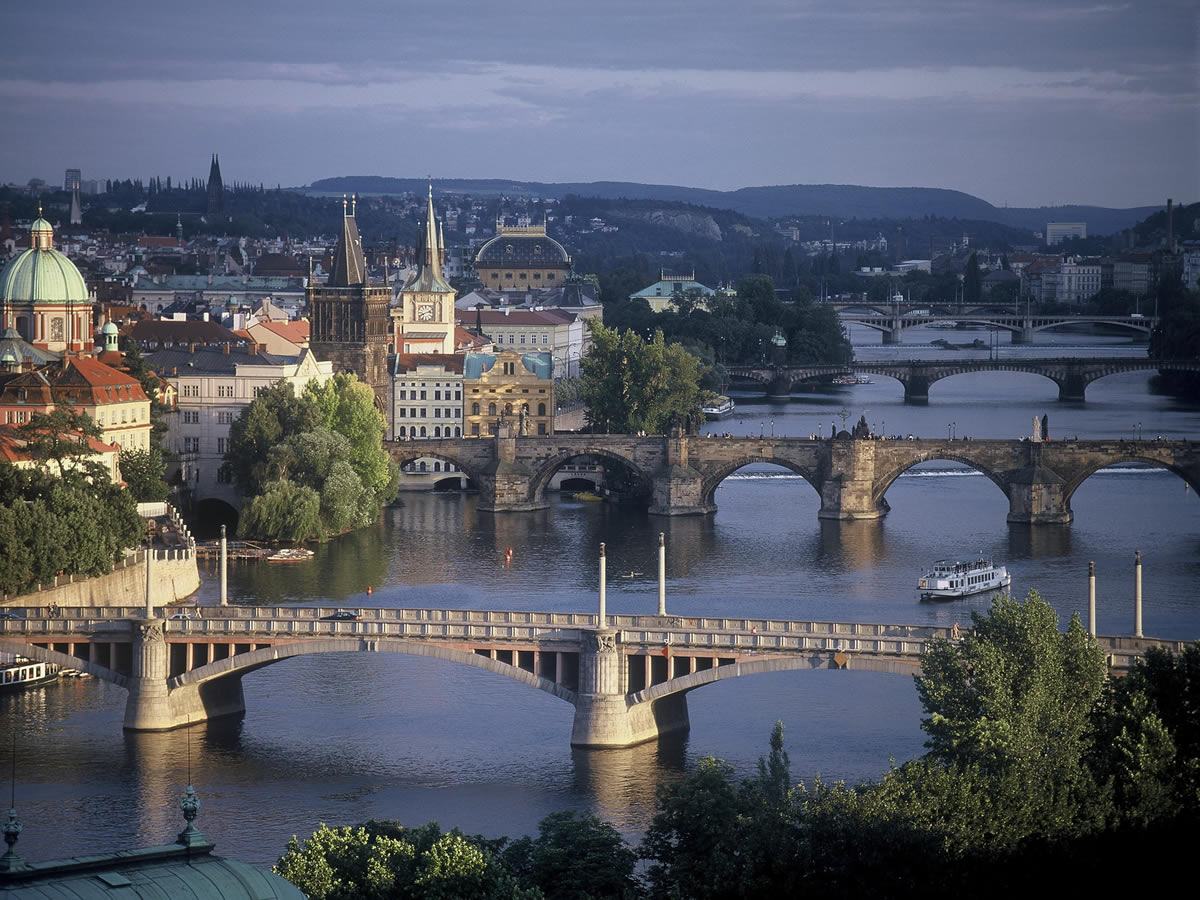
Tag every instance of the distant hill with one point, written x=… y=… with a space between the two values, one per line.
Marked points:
x=837 y=200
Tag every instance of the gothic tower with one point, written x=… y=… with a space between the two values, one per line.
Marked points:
x=348 y=316
x=216 y=188
x=425 y=316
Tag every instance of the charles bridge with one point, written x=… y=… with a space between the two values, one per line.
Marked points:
x=678 y=474
x=1071 y=374
x=627 y=676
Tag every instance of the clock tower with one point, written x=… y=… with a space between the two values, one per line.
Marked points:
x=424 y=320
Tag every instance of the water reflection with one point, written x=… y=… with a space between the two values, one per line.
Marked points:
x=1038 y=541
x=622 y=782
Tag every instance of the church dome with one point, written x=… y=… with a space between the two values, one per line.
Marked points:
x=517 y=247
x=41 y=274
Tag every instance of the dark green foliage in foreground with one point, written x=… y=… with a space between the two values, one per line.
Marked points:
x=1043 y=776
x=78 y=523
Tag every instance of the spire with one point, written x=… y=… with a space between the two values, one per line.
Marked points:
x=428 y=277
x=349 y=265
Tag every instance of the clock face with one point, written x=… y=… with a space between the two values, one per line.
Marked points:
x=425 y=312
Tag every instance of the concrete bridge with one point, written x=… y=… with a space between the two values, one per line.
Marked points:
x=679 y=474
x=1022 y=327
x=628 y=677
x=1072 y=375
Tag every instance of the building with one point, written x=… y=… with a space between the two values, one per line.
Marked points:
x=510 y=387
x=1056 y=232
x=522 y=258
x=348 y=315
x=664 y=293
x=44 y=297
x=423 y=321
x=73 y=180
x=216 y=188
x=1191 y=270
x=14 y=450
x=428 y=395
x=213 y=385
x=1078 y=280
x=562 y=334
x=156 y=293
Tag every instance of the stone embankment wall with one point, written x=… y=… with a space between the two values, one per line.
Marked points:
x=173 y=572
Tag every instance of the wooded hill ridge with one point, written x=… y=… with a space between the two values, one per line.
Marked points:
x=767 y=202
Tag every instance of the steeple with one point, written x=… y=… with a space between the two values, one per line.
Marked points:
x=216 y=188
x=76 y=217
x=349 y=264
x=428 y=277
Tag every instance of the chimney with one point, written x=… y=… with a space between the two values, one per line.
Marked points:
x=1170 y=225
x=192 y=347
x=225 y=348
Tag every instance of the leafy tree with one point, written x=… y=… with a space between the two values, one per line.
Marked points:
x=972 y=280
x=275 y=414
x=142 y=471
x=633 y=385
x=576 y=857
x=284 y=511
x=59 y=437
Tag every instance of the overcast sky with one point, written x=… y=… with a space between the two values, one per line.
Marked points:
x=1020 y=102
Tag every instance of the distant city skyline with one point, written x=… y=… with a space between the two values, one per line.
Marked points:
x=1022 y=104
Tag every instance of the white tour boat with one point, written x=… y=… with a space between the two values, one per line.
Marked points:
x=17 y=672
x=953 y=578
x=719 y=408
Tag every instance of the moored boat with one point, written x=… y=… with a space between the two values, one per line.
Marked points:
x=290 y=554
x=19 y=672
x=954 y=578
x=721 y=407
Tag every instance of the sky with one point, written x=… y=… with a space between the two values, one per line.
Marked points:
x=1021 y=102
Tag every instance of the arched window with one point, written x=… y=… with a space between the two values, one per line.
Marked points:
x=423 y=434
x=422 y=466
x=474 y=409
x=457 y=431
x=437 y=432
x=541 y=409
x=491 y=412
x=437 y=467
x=508 y=409
x=402 y=431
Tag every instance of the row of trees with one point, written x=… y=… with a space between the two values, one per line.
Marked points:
x=64 y=517
x=1042 y=774
x=310 y=466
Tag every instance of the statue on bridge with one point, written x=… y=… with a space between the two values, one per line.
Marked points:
x=862 y=431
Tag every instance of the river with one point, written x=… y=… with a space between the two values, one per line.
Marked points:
x=345 y=738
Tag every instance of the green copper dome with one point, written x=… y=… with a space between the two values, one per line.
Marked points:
x=42 y=276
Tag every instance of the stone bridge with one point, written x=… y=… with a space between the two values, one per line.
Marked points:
x=1072 y=375
x=1022 y=327
x=628 y=677
x=679 y=474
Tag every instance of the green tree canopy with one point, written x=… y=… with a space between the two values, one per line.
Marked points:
x=632 y=385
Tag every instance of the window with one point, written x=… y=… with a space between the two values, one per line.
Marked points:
x=541 y=412
x=226 y=390
x=403 y=411
x=424 y=433
x=191 y=390
x=403 y=430
x=537 y=276
x=474 y=409
x=437 y=466
x=522 y=338
x=424 y=412
x=458 y=395
x=225 y=418
x=437 y=395
x=191 y=417
x=224 y=476
x=191 y=445
x=422 y=465
x=508 y=276
x=549 y=276
x=545 y=338
x=222 y=444
x=402 y=394
x=491 y=412
x=475 y=430
x=522 y=276
x=437 y=412
x=449 y=413
x=422 y=395
x=458 y=431
x=541 y=427
x=437 y=432
x=412 y=412
x=512 y=338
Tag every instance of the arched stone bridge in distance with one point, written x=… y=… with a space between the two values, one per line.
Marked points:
x=679 y=474
x=1022 y=327
x=627 y=679
x=1072 y=375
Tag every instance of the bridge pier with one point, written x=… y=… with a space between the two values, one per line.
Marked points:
x=894 y=335
x=916 y=390
x=504 y=486
x=153 y=706
x=1071 y=388
x=1037 y=496
x=779 y=388
x=677 y=489
x=603 y=716
x=1024 y=334
x=849 y=491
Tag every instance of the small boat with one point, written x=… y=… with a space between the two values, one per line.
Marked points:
x=719 y=408
x=290 y=554
x=21 y=673
x=954 y=578
x=632 y=574
x=587 y=496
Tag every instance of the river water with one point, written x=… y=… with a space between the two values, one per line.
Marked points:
x=344 y=738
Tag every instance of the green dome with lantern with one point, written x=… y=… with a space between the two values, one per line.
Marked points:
x=42 y=274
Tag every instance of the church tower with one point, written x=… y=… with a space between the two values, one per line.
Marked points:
x=348 y=316
x=216 y=188
x=424 y=320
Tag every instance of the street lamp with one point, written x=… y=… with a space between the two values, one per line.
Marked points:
x=948 y=431
x=772 y=428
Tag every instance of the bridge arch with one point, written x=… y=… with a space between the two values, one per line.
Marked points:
x=540 y=478
x=816 y=659
x=404 y=452
x=713 y=478
x=1192 y=479
x=65 y=660
x=244 y=663
x=887 y=479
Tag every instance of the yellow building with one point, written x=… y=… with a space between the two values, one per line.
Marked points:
x=522 y=259
x=510 y=387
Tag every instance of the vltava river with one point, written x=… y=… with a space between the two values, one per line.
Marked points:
x=344 y=738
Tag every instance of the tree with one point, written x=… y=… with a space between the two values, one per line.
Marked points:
x=576 y=857
x=631 y=385
x=142 y=472
x=59 y=437
x=972 y=281
x=284 y=511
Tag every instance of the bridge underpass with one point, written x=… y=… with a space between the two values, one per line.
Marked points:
x=628 y=677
